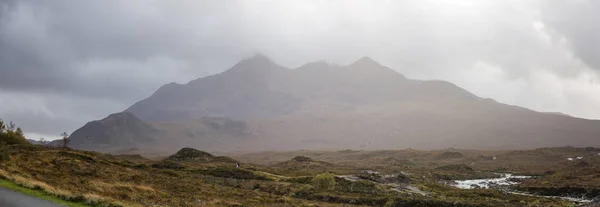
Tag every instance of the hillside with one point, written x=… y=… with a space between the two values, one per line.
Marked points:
x=96 y=179
x=258 y=105
x=120 y=130
x=259 y=88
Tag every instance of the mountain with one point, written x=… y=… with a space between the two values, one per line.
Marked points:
x=119 y=130
x=249 y=89
x=259 y=88
x=124 y=133
x=259 y=105
x=36 y=142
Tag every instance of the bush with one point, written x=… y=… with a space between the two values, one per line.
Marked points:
x=449 y=155
x=140 y=166
x=456 y=168
x=226 y=172
x=165 y=164
x=302 y=159
x=324 y=181
x=301 y=180
x=10 y=135
x=4 y=154
x=361 y=186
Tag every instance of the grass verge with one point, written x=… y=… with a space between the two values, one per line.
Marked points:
x=38 y=194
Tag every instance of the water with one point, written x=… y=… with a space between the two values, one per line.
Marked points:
x=505 y=180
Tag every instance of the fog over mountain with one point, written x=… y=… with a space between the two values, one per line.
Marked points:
x=258 y=105
x=65 y=62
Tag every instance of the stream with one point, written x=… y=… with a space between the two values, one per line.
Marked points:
x=504 y=182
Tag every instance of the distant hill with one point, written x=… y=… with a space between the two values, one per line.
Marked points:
x=190 y=154
x=259 y=105
x=193 y=155
x=120 y=130
x=35 y=142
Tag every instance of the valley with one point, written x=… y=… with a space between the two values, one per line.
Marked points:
x=300 y=103
x=191 y=177
x=260 y=134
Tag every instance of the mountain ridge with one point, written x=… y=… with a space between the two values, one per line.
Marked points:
x=249 y=81
x=116 y=130
x=258 y=105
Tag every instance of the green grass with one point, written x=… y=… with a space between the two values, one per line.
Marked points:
x=38 y=194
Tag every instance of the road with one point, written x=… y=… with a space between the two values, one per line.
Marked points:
x=9 y=198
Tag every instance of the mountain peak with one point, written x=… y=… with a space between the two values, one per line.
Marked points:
x=258 y=59
x=366 y=61
x=117 y=130
x=370 y=67
x=258 y=62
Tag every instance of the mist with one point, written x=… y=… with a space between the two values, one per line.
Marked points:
x=64 y=62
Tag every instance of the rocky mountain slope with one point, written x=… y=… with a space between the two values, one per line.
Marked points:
x=258 y=105
x=120 y=130
x=259 y=88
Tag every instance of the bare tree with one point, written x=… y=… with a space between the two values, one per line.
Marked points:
x=11 y=126
x=2 y=126
x=65 y=139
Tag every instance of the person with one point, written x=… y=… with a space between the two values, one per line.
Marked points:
x=237 y=165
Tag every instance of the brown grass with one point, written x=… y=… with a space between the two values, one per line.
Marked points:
x=99 y=179
x=87 y=198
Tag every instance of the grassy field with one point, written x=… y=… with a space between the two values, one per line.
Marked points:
x=300 y=178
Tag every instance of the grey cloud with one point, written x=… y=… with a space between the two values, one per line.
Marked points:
x=50 y=114
x=121 y=51
x=51 y=46
x=579 y=23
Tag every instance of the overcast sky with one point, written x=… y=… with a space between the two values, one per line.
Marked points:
x=66 y=62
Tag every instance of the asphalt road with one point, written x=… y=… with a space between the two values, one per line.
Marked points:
x=9 y=198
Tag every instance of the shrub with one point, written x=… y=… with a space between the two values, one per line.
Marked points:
x=324 y=181
x=361 y=186
x=302 y=159
x=449 y=155
x=301 y=180
x=456 y=168
x=11 y=135
x=4 y=154
x=165 y=164
x=226 y=172
x=140 y=166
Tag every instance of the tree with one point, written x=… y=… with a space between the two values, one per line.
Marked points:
x=42 y=141
x=65 y=139
x=19 y=132
x=2 y=126
x=10 y=134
